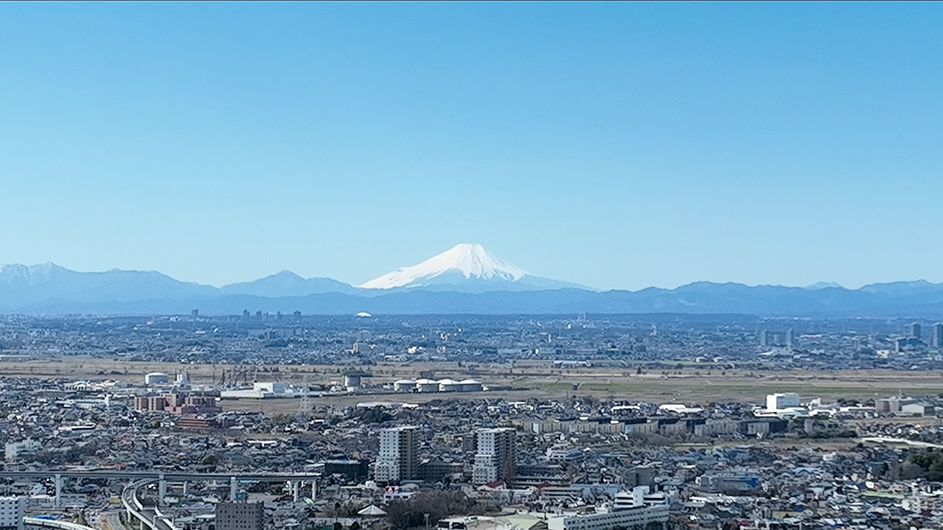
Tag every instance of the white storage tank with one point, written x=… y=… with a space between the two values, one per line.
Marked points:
x=470 y=385
x=449 y=385
x=427 y=385
x=156 y=378
x=404 y=385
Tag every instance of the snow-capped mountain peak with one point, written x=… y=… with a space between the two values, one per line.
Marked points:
x=471 y=261
x=30 y=274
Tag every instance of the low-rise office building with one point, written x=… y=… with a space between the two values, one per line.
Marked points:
x=628 y=510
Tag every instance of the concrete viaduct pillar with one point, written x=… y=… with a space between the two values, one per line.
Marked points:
x=58 y=491
x=161 y=490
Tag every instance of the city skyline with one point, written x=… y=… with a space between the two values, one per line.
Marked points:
x=618 y=146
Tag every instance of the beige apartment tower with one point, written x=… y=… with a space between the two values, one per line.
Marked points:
x=399 y=455
x=495 y=455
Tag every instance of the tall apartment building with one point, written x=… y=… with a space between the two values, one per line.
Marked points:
x=936 y=340
x=495 y=455
x=12 y=510
x=399 y=455
x=240 y=516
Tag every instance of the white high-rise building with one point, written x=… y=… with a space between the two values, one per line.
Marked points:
x=399 y=454
x=12 y=510
x=495 y=455
x=776 y=402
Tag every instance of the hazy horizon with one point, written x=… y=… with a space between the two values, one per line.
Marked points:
x=357 y=283
x=613 y=145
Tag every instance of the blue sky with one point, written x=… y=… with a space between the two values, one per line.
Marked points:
x=612 y=145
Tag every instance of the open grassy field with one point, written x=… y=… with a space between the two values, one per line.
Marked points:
x=529 y=380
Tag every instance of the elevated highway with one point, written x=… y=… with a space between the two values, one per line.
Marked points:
x=58 y=525
x=162 y=477
x=147 y=517
x=157 y=475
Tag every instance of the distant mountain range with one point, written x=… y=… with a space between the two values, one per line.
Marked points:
x=287 y=283
x=465 y=279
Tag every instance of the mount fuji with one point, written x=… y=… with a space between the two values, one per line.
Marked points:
x=467 y=268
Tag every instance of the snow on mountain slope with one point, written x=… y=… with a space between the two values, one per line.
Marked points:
x=465 y=267
x=23 y=285
x=470 y=260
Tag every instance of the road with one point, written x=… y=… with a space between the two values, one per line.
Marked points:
x=108 y=521
x=899 y=441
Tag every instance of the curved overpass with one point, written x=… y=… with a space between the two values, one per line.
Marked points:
x=151 y=518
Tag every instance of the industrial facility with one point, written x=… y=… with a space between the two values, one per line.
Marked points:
x=443 y=385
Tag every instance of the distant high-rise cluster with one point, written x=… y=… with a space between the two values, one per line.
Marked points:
x=913 y=338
